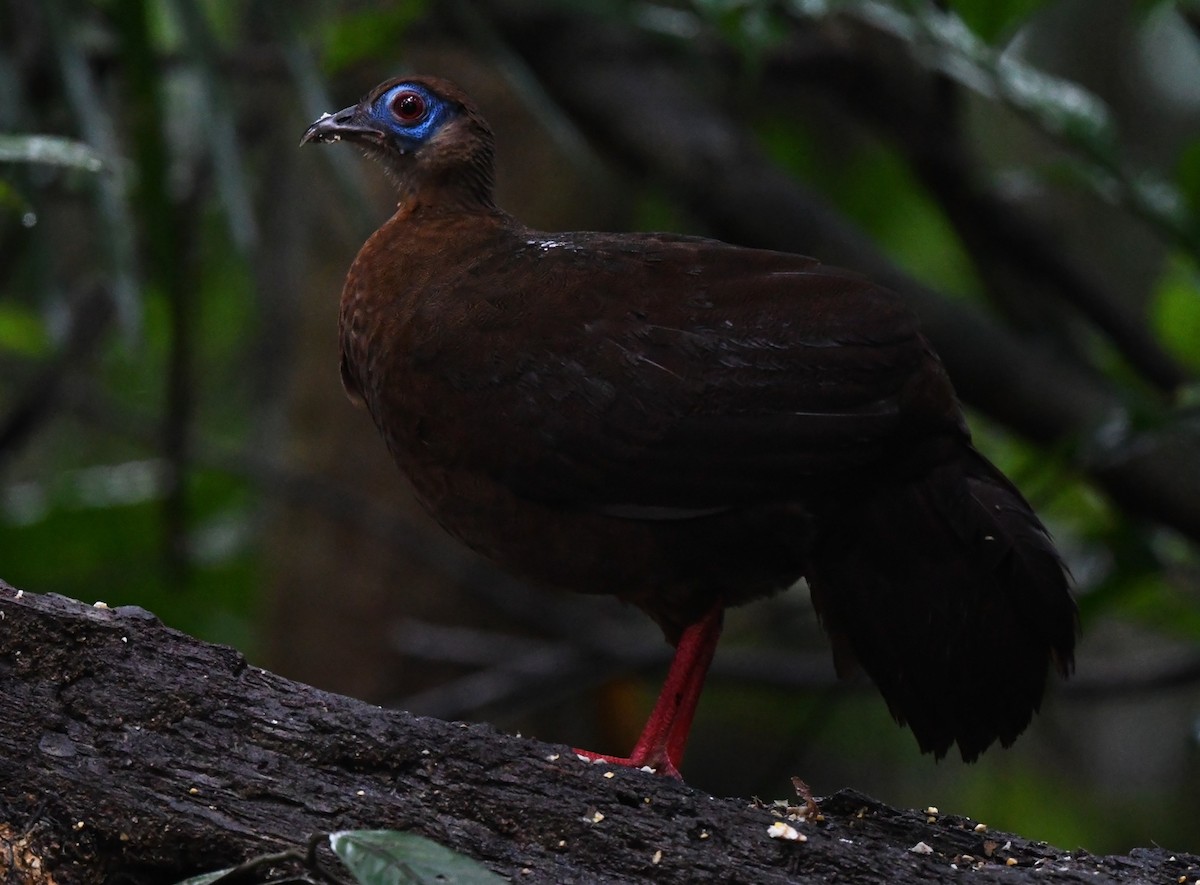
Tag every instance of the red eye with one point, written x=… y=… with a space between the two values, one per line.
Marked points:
x=408 y=106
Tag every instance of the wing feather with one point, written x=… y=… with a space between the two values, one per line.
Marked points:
x=672 y=395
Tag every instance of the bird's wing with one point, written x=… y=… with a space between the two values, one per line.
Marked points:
x=662 y=376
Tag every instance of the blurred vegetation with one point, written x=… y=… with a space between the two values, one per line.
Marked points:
x=156 y=236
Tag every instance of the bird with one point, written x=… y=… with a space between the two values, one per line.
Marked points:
x=690 y=425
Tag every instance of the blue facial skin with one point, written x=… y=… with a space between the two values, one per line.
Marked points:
x=410 y=135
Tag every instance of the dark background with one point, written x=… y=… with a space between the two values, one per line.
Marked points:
x=173 y=433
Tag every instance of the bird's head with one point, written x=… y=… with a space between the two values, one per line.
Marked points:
x=426 y=132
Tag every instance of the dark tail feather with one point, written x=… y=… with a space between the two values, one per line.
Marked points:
x=949 y=593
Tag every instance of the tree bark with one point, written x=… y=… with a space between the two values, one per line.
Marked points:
x=131 y=752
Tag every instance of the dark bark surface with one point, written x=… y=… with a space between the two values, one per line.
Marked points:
x=130 y=752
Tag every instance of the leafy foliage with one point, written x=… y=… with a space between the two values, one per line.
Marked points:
x=373 y=857
x=50 y=150
x=388 y=857
x=365 y=33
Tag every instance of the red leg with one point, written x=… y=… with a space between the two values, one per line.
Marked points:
x=665 y=735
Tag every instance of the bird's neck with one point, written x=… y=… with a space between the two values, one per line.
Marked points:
x=465 y=188
x=444 y=221
x=423 y=204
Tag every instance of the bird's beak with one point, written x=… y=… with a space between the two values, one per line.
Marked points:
x=352 y=123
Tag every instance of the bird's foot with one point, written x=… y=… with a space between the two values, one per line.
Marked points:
x=663 y=740
x=655 y=760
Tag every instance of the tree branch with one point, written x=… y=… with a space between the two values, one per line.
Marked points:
x=132 y=752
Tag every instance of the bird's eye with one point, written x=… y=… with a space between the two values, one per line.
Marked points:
x=408 y=106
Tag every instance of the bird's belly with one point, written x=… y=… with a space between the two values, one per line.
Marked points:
x=674 y=569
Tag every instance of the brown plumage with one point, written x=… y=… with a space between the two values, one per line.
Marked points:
x=689 y=425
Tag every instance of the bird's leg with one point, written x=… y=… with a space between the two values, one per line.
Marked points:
x=665 y=735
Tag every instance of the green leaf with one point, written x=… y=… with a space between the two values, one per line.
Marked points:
x=371 y=33
x=996 y=19
x=22 y=331
x=749 y=26
x=1176 y=310
x=205 y=878
x=388 y=857
x=1187 y=175
x=52 y=150
x=10 y=199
